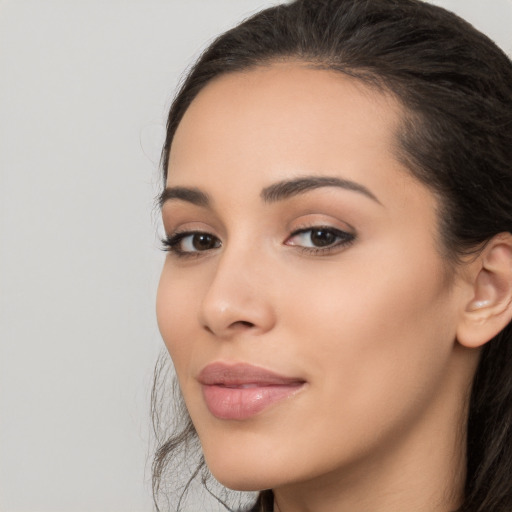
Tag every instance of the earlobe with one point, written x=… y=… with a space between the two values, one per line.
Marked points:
x=489 y=309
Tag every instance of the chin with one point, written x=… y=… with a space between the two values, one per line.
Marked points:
x=245 y=473
x=243 y=483
x=243 y=476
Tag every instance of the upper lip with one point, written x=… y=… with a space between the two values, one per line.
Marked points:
x=222 y=374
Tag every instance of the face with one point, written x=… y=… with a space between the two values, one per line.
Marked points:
x=303 y=300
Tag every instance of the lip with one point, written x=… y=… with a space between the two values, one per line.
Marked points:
x=241 y=391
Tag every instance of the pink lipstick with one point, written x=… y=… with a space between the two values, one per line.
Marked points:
x=240 y=391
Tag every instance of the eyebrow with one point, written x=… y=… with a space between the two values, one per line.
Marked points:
x=289 y=188
x=190 y=195
x=273 y=193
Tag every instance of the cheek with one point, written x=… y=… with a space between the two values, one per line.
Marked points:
x=176 y=307
x=375 y=334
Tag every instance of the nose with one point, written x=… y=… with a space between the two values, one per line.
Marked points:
x=238 y=298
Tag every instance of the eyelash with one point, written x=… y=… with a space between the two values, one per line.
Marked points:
x=172 y=243
x=344 y=239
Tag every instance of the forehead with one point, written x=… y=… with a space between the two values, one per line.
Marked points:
x=277 y=96
x=285 y=119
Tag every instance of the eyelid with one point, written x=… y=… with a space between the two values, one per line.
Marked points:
x=171 y=243
x=308 y=223
x=344 y=239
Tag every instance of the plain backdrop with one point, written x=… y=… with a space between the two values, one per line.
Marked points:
x=84 y=88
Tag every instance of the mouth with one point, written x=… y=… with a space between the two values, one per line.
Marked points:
x=241 y=391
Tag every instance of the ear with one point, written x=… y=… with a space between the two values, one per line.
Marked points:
x=489 y=308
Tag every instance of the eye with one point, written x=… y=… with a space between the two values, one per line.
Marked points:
x=191 y=243
x=320 y=238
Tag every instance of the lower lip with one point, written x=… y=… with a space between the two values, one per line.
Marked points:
x=240 y=403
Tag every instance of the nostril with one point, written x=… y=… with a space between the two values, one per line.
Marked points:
x=242 y=323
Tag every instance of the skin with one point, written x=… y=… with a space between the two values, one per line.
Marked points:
x=370 y=326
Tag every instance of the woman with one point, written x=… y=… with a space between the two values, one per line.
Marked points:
x=337 y=296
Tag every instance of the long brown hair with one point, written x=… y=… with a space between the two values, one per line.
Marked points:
x=456 y=87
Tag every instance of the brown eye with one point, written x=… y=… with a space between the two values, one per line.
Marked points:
x=203 y=241
x=322 y=237
x=191 y=243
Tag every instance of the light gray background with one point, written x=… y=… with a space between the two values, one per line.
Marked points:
x=84 y=88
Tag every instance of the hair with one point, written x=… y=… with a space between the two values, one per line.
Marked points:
x=455 y=86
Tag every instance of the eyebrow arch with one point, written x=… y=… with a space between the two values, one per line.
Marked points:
x=289 y=188
x=190 y=195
